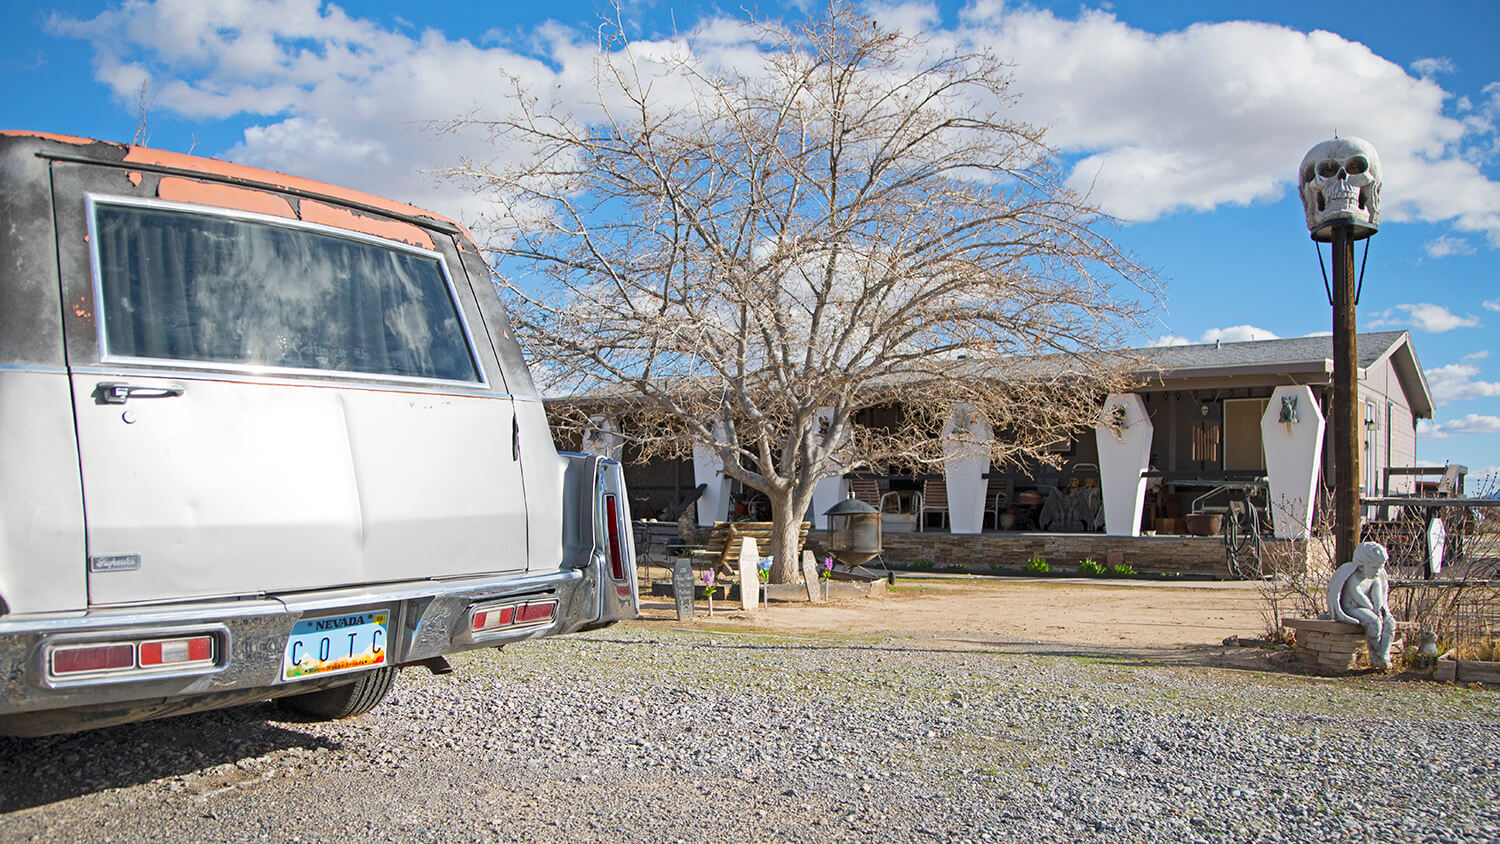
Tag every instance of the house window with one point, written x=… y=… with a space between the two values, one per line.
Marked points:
x=1242 y=443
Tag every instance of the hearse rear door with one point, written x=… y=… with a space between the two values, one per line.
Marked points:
x=264 y=404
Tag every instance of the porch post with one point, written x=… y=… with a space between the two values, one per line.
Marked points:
x=828 y=491
x=1123 y=433
x=966 y=457
x=604 y=437
x=708 y=468
x=1292 y=431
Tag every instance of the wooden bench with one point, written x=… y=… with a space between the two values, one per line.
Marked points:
x=723 y=549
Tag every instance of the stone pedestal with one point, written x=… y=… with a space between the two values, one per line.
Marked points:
x=1333 y=647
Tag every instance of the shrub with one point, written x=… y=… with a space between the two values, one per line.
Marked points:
x=923 y=563
x=1120 y=570
x=1091 y=566
x=1038 y=565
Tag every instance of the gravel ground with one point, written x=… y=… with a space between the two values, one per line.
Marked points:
x=651 y=734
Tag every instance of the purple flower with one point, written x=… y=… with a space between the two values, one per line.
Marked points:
x=708 y=577
x=827 y=564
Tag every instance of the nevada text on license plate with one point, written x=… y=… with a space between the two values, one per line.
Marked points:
x=321 y=646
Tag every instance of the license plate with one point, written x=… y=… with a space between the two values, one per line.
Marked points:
x=338 y=643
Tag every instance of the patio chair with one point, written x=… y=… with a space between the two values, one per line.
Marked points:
x=934 y=499
x=995 y=500
x=868 y=491
x=653 y=541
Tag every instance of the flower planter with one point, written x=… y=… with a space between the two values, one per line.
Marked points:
x=1467 y=671
x=1204 y=524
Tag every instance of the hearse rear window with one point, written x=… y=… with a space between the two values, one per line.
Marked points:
x=211 y=289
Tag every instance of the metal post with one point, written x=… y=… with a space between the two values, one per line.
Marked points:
x=1346 y=417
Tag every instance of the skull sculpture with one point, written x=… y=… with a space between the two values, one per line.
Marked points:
x=1340 y=184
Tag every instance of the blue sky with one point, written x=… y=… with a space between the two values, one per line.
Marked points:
x=1187 y=118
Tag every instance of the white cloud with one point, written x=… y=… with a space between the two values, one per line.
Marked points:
x=1492 y=304
x=1474 y=423
x=1427 y=68
x=1445 y=245
x=1455 y=382
x=1213 y=114
x=1205 y=116
x=1232 y=334
x=1423 y=316
x=1479 y=355
x=1236 y=334
x=333 y=97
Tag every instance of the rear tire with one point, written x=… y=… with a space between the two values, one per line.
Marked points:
x=346 y=701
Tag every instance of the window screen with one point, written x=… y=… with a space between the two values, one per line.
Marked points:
x=184 y=286
x=1242 y=441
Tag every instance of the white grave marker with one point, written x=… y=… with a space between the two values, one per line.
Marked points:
x=810 y=576
x=749 y=574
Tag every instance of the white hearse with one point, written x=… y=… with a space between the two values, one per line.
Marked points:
x=262 y=437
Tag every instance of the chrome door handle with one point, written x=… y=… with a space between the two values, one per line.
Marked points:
x=116 y=393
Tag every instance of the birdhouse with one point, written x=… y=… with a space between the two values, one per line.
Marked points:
x=855 y=538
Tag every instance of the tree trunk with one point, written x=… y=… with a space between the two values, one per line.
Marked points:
x=786 y=522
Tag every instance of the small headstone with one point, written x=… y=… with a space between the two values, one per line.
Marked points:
x=1114 y=558
x=684 y=587
x=810 y=576
x=749 y=574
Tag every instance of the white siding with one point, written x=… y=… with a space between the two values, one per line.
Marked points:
x=1394 y=440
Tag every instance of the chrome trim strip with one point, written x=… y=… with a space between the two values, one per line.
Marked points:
x=92 y=201
x=112 y=618
x=469 y=588
x=316 y=379
x=33 y=369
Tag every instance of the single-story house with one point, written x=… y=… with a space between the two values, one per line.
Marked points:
x=1203 y=420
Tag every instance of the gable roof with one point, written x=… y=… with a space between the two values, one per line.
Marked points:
x=1298 y=359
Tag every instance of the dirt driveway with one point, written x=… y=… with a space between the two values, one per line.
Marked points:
x=1179 y=622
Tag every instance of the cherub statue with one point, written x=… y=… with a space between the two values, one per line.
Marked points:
x=1357 y=595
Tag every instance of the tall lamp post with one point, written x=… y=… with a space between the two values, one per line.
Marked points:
x=1339 y=182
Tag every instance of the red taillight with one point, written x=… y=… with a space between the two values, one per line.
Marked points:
x=177 y=651
x=616 y=560
x=134 y=657
x=489 y=619
x=92 y=658
x=537 y=612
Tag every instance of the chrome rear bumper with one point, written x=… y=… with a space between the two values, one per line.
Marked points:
x=428 y=619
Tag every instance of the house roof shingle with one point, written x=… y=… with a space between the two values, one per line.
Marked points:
x=1372 y=347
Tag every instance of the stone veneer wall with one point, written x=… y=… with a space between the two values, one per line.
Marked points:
x=1062 y=551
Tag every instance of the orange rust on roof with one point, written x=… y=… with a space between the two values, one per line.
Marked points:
x=218 y=195
x=332 y=215
x=47 y=136
x=134 y=177
x=223 y=169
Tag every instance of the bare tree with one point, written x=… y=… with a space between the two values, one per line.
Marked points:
x=143 y=102
x=747 y=256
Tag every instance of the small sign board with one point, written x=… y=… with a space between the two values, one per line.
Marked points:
x=684 y=587
x=1437 y=540
x=810 y=576
x=749 y=574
